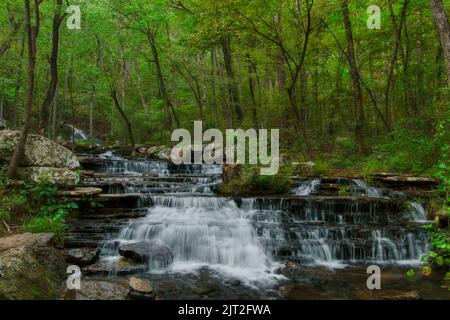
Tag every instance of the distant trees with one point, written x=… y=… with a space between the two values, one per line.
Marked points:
x=311 y=68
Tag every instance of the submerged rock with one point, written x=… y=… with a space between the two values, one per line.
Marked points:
x=82 y=257
x=39 y=151
x=121 y=267
x=157 y=253
x=30 y=267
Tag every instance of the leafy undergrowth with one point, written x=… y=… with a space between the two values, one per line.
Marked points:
x=249 y=181
x=439 y=232
x=32 y=207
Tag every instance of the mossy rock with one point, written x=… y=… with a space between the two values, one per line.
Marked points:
x=31 y=272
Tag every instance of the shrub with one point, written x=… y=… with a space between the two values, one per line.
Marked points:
x=322 y=168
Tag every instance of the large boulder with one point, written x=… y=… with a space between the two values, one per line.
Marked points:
x=155 y=253
x=30 y=267
x=39 y=151
x=57 y=176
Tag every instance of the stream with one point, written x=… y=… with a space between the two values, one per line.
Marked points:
x=301 y=245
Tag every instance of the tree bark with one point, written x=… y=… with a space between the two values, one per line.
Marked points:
x=213 y=85
x=125 y=119
x=359 y=109
x=32 y=34
x=168 y=106
x=443 y=29
x=18 y=85
x=252 y=73
x=232 y=86
x=51 y=91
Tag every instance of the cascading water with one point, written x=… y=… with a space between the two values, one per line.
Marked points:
x=201 y=230
x=305 y=188
x=416 y=212
x=244 y=237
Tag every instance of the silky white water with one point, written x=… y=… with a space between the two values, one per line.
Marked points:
x=209 y=232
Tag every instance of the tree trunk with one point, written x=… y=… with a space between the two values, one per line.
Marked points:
x=32 y=34
x=162 y=84
x=443 y=29
x=125 y=119
x=18 y=85
x=91 y=114
x=252 y=72
x=57 y=20
x=232 y=86
x=213 y=86
x=359 y=110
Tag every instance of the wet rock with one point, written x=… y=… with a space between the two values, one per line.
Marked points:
x=99 y=290
x=141 y=289
x=30 y=267
x=121 y=267
x=156 y=252
x=410 y=295
x=82 y=257
x=57 y=176
x=80 y=192
x=150 y=175
x=165 y=153
x=39 y=151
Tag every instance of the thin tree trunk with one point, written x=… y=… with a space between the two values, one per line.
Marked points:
x=443 y=29
x=125 y=119
x=18 y=84
x=162 y=84
x=91 y=114
x=32 y=34
x=252 y=71
x=57 y=20
x=359 y=109
x=213 y=86
x=232 y=86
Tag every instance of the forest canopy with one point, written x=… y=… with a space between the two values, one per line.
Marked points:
x=133 y=71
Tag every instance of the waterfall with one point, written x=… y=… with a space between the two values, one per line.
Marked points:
x=305 y=188
x=248 y=238
x=202 y=230
x=416 y=212
x=370 y=192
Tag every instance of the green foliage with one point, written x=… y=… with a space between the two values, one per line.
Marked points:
x=37 y=204
x=250 y=182
x=49 y=215
x=322 y=168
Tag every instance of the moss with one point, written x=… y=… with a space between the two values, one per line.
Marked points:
x=250 y=182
